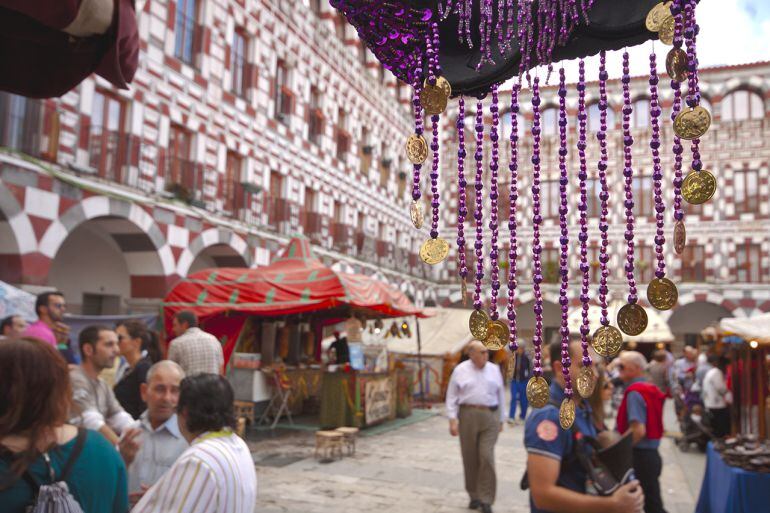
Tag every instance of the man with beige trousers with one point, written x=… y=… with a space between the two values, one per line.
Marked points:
x=474 y=405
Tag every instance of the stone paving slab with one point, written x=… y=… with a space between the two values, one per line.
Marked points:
x=416 y=468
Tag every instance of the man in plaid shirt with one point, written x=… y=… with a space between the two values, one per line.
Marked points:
x=193 y=349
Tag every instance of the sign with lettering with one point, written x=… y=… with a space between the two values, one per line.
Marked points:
x=377 y=401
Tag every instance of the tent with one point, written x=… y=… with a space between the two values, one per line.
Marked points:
x=657 y=328
x=294 y=283
x=747 y=328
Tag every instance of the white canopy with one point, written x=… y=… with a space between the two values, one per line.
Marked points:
x=445 y=331
x=749 y=328
x=657 y=329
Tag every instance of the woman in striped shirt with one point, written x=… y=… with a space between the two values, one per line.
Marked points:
x=216 y=474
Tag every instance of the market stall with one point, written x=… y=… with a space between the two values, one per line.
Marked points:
x=747 y=341
x=434 y=351
x=271 y=321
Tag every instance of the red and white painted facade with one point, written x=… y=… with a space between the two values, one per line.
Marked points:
x=247 y=121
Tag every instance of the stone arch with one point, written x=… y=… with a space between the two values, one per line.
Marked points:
x=233 y=246
x=689 y=319
x=17 y=237
x=105 y=252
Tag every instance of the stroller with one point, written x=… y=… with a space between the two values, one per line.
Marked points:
x=693 y=422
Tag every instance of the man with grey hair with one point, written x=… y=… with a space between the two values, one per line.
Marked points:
x=641 y=413
x=158 y=444
x=475 y=402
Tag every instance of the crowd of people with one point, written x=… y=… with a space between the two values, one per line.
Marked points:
x=627 y=402
x=161 y=439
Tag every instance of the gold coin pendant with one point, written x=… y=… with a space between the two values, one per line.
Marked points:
x=479 y=324
x=416 y=149
x=607 y=341
x=434 y=98
x=662 y=294
x=632 y=319
x=567 y=413
x=586 y=381
x=464 y=291
x=698 y=187
x=497 y=335
x=538 y=391
x=510 y=367
x=656 y=15
x=680 y=237
x=415 y=213
x=666 y=32
x=676 y=65
x=692 y=123
x=434 y=251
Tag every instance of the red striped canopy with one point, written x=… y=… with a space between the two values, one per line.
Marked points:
x=295 y=282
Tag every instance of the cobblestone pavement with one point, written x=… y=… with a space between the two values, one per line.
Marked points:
x=417 y=468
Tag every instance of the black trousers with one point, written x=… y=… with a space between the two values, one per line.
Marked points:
x=647 y=467
x=720 y=421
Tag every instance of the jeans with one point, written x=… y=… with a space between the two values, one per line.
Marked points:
x=518 y=393
x=647 y=467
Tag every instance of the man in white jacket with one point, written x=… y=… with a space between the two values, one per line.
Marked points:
x=717 y=397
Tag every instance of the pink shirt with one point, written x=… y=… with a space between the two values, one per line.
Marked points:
x=40 y=331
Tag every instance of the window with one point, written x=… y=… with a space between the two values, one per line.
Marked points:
x=505 y=126
x=338 y=217
x=186 y=31
x=694 y=263
x=19 y=123
x=644 y=200
x=317 y=6
x=594 y=118
x=549 y=199
x=550 y=264
x=343 y=137
x=594 y=252
x=315 y=116
x=273 y=200
x=746 y=190
x=106 y=140
x=240 y=69
x=384 y=167
x=180 y=169
x=230 y=191
x=307 y=211
x=339 y=27
x=362 y=54
x=640 y=117
x=593 y=188
x=283 y=96
x=365 y=151
x=550 y=121
x=644 y=263
x=749 y=262
x=740 y=105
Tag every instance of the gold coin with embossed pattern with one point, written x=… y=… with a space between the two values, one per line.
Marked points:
x=567 y=413
x=656 y=16
x=632 y=319
x=586 y=381
x=416 y=215
x=538 y=391
x=434 y=251
x=666 y=32
x=698 y=187
x=662 y=294
x=607 y=341
x=497 y=335
x=692 y=123
x=416 y=149
x=479 y=324
x=680 y=237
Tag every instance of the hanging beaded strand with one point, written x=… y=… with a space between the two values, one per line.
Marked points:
x=607 y=340
x=493 y=196
x=699 y=185
x=632 y=319
x=567 y=409
x=537 y=387
x=513 y=167
x=433 y=99
x=680 y=234
x=585 y=379
x=479 y=321
x=417 y=167
x=661 y=292
x=462 y=210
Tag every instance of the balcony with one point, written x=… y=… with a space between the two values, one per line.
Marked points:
x=29 y=126
x=278 y=211
x=113 y=154
x=342 y=235
x=184 y=179
x=314 y=225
